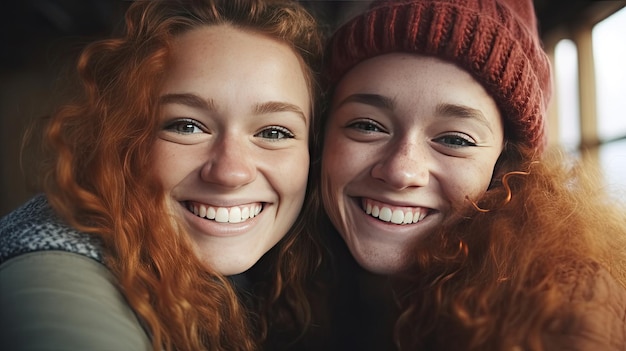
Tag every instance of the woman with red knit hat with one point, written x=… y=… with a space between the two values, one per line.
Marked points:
x=434 y=174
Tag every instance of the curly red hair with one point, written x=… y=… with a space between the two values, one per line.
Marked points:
x=99 y=148
x=497 y=279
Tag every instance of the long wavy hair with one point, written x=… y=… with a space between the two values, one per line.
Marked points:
x=497 y=279
x=96 y=177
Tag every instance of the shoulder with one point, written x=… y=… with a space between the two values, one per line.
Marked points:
x=35 y=227
x=62 y=300
x=594 y=314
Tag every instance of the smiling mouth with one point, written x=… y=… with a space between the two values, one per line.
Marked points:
x=393 y=214
x=234 y=214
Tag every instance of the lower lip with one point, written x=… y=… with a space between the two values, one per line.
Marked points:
x=210 y=227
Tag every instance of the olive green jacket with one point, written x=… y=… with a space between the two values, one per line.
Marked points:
x=55 y=292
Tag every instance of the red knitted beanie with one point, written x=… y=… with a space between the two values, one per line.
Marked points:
x=495 y=40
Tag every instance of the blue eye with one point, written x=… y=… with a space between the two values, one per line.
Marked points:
x=455 y=141
x=185 y=126
x=275 y=133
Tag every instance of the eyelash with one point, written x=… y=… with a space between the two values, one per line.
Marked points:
x=276 y=130
x=172 y=126
x=452 y=140
x=456 y=138
x=366 y=126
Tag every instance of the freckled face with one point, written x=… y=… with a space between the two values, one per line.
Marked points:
x=408 y=138
x=232 y=153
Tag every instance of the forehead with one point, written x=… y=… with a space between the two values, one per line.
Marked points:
x=224 y=63
x=409 y=70
x=413 y=78
x=212 y=43
x=416 y=87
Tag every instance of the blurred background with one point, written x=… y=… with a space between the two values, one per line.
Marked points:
x=586 y=40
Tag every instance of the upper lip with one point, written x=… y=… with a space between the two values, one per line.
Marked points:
x=225 y=203
x=392 y=203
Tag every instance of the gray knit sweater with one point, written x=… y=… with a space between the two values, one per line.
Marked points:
x=35 y=227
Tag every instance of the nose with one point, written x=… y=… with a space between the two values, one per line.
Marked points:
x=230 y=163
x=404 y=166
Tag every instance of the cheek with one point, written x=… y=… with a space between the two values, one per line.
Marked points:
x=343 y=166
x=341 y=158
x=288 y=172
x=470 y=182
x=333 y=174
x=333 y=178
x=170 y=163
x=333 y=201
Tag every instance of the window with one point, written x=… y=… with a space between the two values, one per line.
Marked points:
x=609 y=51
x=587 y=56
x=566 y=80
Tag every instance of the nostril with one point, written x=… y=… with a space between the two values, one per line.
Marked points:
x=229 y=171
x=400 y=174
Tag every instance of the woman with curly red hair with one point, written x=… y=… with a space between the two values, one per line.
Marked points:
x=465 y=235
x=184 y=161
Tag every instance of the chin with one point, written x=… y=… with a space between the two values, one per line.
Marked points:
x=382 y=263
x=234 y=270
x=230 y=266
x=384 y=268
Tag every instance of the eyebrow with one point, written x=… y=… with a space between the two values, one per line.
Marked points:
x=197 y=102
x=461 y=111
x=276 y=106
x=188 y=100
x=375 y=100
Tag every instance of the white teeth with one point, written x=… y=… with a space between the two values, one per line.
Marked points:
x=375 y=211
x=396 y=216
x=235 y=214
x=210 y=213
x=416 y=217
x=408 y=218
x=221 y=215
x=385 y=214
